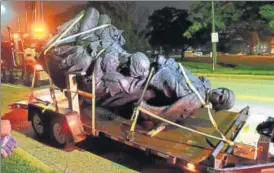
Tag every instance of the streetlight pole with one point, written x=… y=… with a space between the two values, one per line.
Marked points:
x=214 y=47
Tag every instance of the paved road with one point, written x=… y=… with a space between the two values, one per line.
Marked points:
x=258 y=94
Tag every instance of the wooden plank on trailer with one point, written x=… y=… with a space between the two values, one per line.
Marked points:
x=72 y=94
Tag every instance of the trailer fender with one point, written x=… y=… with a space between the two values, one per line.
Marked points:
x=75 y=126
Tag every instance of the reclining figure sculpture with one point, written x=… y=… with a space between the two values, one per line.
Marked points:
x=120 y=76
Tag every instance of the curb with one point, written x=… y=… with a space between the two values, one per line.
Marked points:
x=265 y=77
x=63 y=161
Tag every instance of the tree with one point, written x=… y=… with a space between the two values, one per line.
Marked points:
x=233 y=19
x=200 y=15
x=267 y=12
x=166 y=27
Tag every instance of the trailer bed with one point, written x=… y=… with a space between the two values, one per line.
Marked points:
x=170 y=143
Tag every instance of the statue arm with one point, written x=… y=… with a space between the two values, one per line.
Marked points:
x=90 y=20
x=124 y=57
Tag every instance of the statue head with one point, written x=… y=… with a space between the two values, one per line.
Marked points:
x=117 y=35
x=110 y=62
x=160 y=60
x=139 y=65
x=221 y=99
x=110 y=36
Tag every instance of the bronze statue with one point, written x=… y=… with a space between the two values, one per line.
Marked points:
x=121 y=76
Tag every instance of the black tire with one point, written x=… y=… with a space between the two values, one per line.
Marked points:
x=59 y=132
x=4 y=76
x=28 y=79
x=39 y=125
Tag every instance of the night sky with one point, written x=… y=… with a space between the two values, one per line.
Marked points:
x=54 y=7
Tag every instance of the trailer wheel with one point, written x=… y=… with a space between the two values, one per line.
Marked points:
x=60 y=133
x=39 y=125
x=27 y=80
x=5 y=77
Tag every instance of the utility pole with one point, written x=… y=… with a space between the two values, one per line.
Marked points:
x=42 y=11
x=214 y=37
x=18 y=22
x=161 y=50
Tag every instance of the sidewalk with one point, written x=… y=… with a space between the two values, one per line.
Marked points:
x=68 y=162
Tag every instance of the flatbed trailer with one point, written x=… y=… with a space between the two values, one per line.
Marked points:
x=66 y=123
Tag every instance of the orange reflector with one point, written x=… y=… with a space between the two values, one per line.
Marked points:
x=190 y=167
x=72 y=123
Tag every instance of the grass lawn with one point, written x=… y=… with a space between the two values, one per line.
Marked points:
x=244 y=65
x=12 y=93
x=20 y=161
x=197 y=67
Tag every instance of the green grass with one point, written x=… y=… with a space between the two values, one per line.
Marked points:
x=12 y=93
x=197 y=67
x=245 y=65
x=20 y=161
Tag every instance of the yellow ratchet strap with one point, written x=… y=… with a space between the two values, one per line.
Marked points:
x=135 y=113
x=180 y=126
x=205 y=105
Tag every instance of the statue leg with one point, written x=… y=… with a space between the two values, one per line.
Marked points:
x=179 y=110
x=125 y=98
